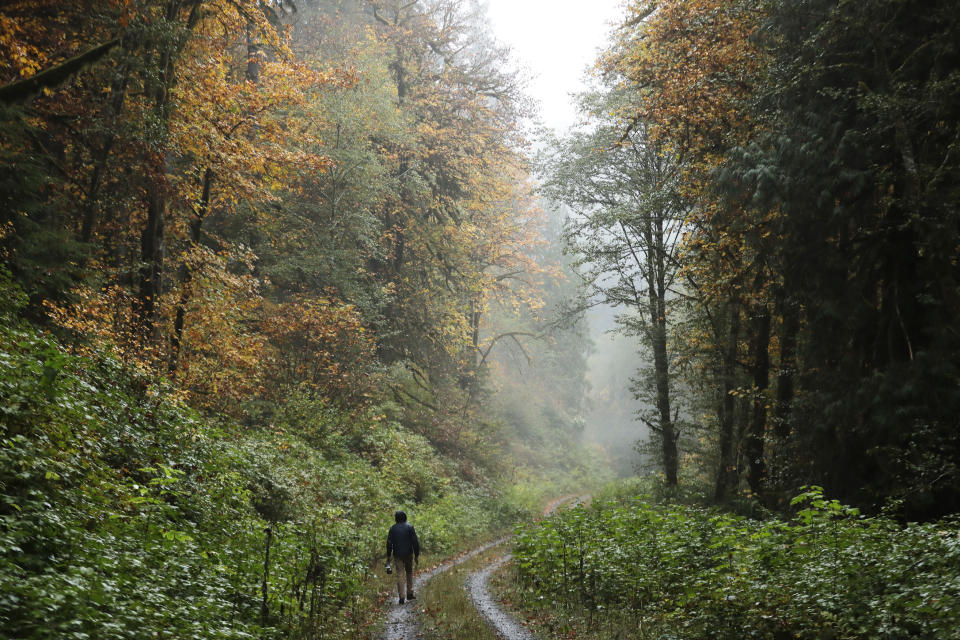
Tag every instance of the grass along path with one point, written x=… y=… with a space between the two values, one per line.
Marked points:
x=445 y=611
x=401 y=618
x=446 y=608
x=503 y=622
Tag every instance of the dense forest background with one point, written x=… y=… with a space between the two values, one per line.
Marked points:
x=768 y=193
x=271 y=269
x=322 y=199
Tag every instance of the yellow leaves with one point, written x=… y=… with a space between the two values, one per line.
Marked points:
x=320 y=342
x=692 y=62
x=104 y=316
x=235 y=128
x=21 y=35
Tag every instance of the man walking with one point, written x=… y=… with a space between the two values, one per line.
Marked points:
x=402 y=543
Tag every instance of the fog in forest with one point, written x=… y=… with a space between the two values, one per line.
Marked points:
x=611 y=410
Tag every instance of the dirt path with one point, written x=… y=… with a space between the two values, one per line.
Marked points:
x=402 y=619
x=504 y=623
x=477 y=587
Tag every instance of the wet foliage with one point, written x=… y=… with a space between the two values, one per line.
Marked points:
x=126 y=514
x=633 y=568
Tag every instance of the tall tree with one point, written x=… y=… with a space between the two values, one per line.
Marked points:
x=692 y=66
x=452 y=225
x=624 y=189
x=860 y=115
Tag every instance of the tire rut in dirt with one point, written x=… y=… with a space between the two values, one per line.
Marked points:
x=503 y=623
x=402 y=618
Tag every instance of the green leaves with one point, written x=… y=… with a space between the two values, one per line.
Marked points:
x=124 y=514
x=818 y=507
x=829 y=572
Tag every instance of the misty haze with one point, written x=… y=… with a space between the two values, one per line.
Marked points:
x=479 y=319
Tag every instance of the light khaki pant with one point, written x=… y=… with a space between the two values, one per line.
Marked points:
x=403 y=567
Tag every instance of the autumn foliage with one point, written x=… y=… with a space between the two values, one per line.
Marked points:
x=814 y=140
x=259 y=258
x=254 y=198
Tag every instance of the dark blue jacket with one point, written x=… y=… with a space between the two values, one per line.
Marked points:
x=402 y=540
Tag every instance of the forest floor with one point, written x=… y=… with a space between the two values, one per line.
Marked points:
x=402 y=622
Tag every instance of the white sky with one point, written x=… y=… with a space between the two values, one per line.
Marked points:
x=555 y=40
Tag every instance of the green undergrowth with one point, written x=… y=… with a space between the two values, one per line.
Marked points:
x=126 y=514
x=631 y=568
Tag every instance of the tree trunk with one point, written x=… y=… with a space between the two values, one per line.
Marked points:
x=265 y=604
x=760 y=368
x=667 y=431
x=727 y=472
x=475 y=316
x=100 y=157
x=152 y=235
x=151 y=262
x=657 y=299
x=186 y=274
x=91 y=205
x=255 y=57
x=152 y=243
x=788 y=368
x=23 y=90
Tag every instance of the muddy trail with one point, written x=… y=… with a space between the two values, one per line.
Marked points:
x=402 y=620
x=503 y=623
x=478 y=587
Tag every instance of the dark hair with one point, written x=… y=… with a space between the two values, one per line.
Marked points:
x=400 y=516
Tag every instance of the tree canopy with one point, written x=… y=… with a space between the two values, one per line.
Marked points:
x=815 y=144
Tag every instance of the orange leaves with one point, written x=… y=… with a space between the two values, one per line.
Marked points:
x=462 y=233
x=36 y=35
x=695 y=64
x=18 y=55
x=693 y=61
x=102 y=318
x=205 y=138
x=236 y=127
x=321 y=343
x=221 y=358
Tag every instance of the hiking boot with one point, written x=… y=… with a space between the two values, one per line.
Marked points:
x=410 y=596
x=401 y=600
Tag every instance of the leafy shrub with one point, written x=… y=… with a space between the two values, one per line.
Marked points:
x=125 y=514
x=829 y=573
x=119 y=518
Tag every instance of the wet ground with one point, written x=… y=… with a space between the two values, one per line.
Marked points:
x=504 y=623
x=401 y=618
x=402 y=621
